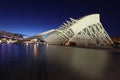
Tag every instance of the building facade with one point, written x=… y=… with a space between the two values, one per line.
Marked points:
x=86 y=31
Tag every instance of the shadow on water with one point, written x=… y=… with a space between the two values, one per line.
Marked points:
x=50 y=62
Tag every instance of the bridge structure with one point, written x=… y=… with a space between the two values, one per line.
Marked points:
x=37 y=37
x=85 y=31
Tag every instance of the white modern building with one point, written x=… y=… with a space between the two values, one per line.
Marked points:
x=86 y=31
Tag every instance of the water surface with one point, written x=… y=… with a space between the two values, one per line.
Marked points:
x=50 y=62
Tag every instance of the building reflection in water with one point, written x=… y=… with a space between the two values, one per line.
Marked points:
x=78 y=61
x=26 y=45
x=3 y=51
x=8 y=53
x=32 y=49
x=35 y=50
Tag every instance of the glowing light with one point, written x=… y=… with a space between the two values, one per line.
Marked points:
x=46 y=44
x=8 y=42
x=35 y=39
x=27 y=44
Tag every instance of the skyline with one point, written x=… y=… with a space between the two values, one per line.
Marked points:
x=33 y=17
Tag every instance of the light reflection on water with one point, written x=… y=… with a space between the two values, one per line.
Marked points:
x=7 y=52
x=50 y=62
x=35 y=50
x=31 y=49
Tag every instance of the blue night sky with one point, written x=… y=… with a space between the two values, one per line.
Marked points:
x=31 y=17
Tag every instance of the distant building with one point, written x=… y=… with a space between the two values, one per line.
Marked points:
x=7 y=37
x=116 y=40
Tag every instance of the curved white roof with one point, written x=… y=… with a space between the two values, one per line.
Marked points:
x=85 y=22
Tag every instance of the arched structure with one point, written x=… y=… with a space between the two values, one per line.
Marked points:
x=86 y=31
